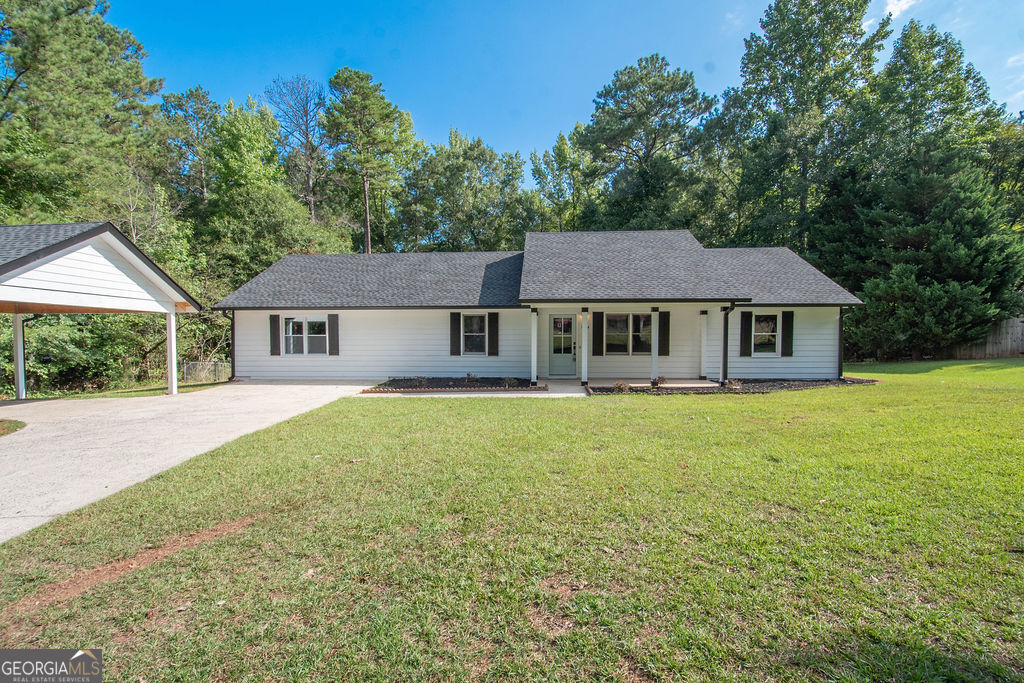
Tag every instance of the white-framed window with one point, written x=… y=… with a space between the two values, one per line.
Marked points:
x=474 y=333
x=765 y=333
x=627 y=334
x=305 y=336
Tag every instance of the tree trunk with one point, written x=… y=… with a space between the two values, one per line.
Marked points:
x=309 y=194
x=366 y=210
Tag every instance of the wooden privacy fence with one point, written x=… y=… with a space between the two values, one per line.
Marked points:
x=1005 y=339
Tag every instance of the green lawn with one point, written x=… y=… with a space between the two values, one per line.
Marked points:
x=124 y=392
x=9 y=426
x=846 y=533
x=150 y=390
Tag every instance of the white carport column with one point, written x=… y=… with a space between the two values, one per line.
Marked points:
x=533 y=347
x=654 y=343
x=584 y=350
x=19 y=357
x=172 y=354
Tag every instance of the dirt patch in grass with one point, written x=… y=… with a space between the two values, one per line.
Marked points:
x=750 y=386
x=77 y=584
x=546 y=621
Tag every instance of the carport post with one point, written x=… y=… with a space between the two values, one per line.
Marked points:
x=172 y=354
x=19 y=357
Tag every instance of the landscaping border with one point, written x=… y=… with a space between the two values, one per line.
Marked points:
x=448 y=390
x=760 y=386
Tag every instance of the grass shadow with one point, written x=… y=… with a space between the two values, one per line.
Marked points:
x=865 y=658
x=926 y=366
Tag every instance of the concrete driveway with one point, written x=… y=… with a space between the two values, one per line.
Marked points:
x=73 y=452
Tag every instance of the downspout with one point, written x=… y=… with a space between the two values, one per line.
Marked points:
x=724 y=375
x=839 y=356
x=232 y=318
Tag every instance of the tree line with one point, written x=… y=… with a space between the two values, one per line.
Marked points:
x=900 y=178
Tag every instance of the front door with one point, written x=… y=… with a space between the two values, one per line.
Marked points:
x=562 y=358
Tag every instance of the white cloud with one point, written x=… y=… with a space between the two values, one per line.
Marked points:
x=898 y=7
x=1015 y=97
x=1016 y=60
x=866 y=26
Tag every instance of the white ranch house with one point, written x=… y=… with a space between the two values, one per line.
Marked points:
x=580 y=305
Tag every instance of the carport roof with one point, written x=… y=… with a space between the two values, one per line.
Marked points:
x=23 y=245
x=20 y=241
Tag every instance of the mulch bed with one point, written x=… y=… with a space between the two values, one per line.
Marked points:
x=750 y=386
x=412 y=385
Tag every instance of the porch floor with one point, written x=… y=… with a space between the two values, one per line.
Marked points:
x=681 y=383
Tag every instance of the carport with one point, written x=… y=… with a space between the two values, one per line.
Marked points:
x=83 y=268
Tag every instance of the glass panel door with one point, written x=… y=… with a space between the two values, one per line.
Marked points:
x=563 y=345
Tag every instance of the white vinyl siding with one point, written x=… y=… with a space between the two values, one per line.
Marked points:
x=377 y=344
x=91 y=274
x=815 y=345
x=684 y=343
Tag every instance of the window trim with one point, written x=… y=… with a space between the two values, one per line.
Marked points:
x=777 y=334
x=305 y=335
x=475 y=334
x=629 y=334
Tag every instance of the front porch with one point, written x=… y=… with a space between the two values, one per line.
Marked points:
x=669 y=383
x=634 y=342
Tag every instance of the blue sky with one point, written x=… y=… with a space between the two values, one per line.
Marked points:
x=514 y=74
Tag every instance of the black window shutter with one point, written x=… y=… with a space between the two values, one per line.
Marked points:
x=663 y=335
x=275 y=335
x=746 y=332
x=598 y=349
x=787 y=333
x=456 y=334
x=333 y=339
x=492 y=333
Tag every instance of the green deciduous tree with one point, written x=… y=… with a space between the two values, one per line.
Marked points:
x=565 y=180
x=466 y=196
x=785 y=123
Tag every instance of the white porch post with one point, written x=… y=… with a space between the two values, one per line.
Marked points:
x=654 y=343
x=533 y=347
x=702 y=372
x=19 y=357
x=172 y=354
x=584 y=340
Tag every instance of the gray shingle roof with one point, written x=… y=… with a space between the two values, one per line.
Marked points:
x=667 y=265
x=19 y=241
x=651 y=265
x=654 y=265
x=776 y=275
x=406 y=280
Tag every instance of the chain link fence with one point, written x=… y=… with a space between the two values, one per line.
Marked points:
x=201 y=372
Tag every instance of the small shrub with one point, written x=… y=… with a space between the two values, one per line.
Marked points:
x=621 y=387
x=734 y=384
x=658 y=381
x=471 y=378
x=419 y=382
x=510 y=381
